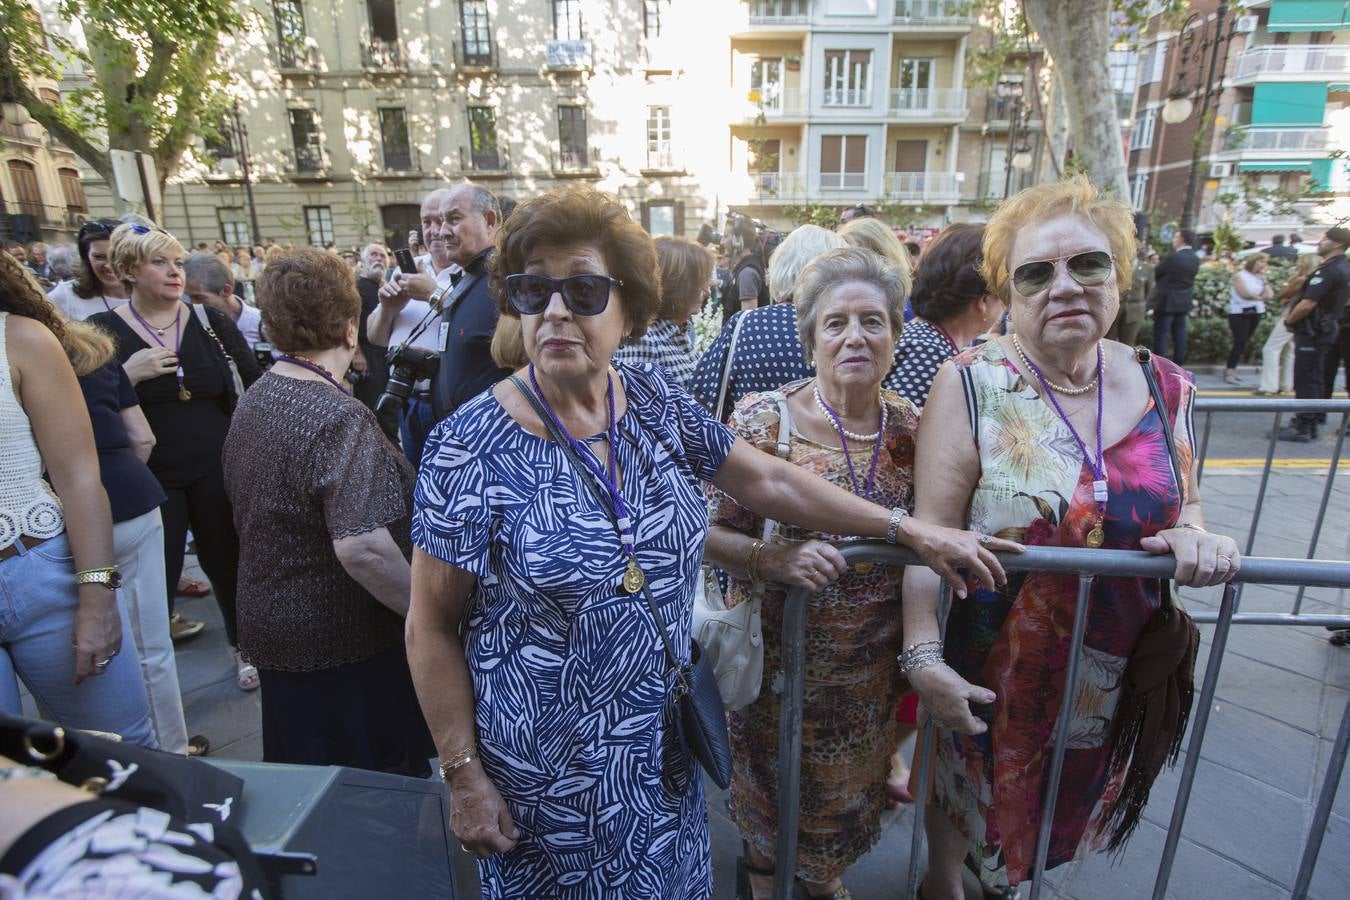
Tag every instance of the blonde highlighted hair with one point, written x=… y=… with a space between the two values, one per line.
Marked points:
x=129 y=249
x=877 y=236
x=1113 y=217
x=86 y=347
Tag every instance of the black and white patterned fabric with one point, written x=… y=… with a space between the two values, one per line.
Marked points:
x=664 y=344
x=571 y=683
x=768 y=356
x=921 y=351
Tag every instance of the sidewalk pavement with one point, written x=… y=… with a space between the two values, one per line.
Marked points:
x=1280 y=697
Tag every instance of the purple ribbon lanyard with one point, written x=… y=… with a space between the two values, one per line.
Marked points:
x=607 y=475
x=866 y=493
x=1098 y=468
x=315 y=368
x=179 y=374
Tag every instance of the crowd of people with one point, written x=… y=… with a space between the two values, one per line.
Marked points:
x=456 y=515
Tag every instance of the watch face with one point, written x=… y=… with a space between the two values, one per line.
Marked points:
x=114 y=581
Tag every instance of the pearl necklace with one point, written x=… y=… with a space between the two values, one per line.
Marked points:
x=820 y=404
x=1059 y=389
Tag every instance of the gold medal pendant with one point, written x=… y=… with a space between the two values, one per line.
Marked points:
x=1096 y=537
x=184 y=394
x=633 y=579
x=863 y=568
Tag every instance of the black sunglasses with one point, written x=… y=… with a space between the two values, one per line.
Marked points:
x=145 y=229
x=1088 y=269
x=95 y=229
x=584 y=295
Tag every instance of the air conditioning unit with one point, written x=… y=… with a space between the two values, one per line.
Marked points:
x=1245 y=24
x=1220 y=170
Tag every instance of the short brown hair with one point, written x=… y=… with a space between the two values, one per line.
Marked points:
x=308 y=298
x=949 y=277
x=685 y=267
x=1030 y=206
x=1250 y=262
x=582 y=215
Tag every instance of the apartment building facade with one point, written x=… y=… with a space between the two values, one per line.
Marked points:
x=42 y=196
x=1282 y=108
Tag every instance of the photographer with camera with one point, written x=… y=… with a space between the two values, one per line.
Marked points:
x=749 y=286
x=369 y=364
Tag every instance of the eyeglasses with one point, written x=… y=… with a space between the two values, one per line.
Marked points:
x=1088 y=269
x=584 y=295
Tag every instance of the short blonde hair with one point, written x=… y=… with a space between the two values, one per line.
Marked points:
x=804 y=244
x=1250 y=262
x=877 y=236
x=131 y=245
x=836 y=267
x=1027 y=207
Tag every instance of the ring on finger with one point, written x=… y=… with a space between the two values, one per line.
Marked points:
x=986 y=538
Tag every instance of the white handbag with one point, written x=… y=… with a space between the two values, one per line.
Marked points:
x=733 y=639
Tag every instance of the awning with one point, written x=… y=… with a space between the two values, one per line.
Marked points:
x=1278 y=165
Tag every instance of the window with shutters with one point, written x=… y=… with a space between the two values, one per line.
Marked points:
x=911 y=156
x=305 y=139
x=289 y=16
x=483 y=153
x=572 y=152
x=319 y=225
x=394 y=143
x=73 y=191
x=27 y=194
x=848 y=77
x=233 y=226
x=843 y=162
x=567 y=21
x=660 y=154
x=477 y=35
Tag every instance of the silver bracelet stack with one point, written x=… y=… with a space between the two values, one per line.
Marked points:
x=893 y=527
x=920 y=656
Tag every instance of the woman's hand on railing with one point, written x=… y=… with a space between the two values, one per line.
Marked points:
x=1203 y=559
x=946 y=698
x=479 y=816
x=811 y=564
x=945 y=550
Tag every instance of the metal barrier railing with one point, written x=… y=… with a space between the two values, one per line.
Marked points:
x=1086 y=565
x=1208 y=406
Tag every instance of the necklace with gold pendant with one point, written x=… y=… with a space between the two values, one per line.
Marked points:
x=633 y=579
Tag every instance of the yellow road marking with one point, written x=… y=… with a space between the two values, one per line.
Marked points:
x=1256 y=463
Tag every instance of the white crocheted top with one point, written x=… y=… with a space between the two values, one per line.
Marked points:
x=27 y=503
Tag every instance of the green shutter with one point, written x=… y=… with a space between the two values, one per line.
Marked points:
x=1321 y=175
x=1298 y=103
x=1308 y=15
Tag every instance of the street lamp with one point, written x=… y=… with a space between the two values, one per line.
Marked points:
x=1010 y=89
x=233 y=165
x=1021 y=160
x=1179 y=105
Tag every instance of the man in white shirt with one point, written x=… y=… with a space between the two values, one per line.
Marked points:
x=210 y=281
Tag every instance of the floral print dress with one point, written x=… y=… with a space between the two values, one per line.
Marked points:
x=852 y=638
x=1036 y=488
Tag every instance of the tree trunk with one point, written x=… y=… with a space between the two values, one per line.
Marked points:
x=1077 y=36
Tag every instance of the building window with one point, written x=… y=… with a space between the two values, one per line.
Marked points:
x=319 y=225
x=1141 y=136
x=567 y=21
x=305 y=140
x=394 y=139
x=663 y=217
x=289 y=16
x=914 y=83
x=27 y=194
x=843 y=162
x=765 y=156
x=1139 y=190
x=659 y=153
x=848 y=77
x=233 y=227
x=766 y=83
x=483 y=152
x=383 y=50
x=477 y=35
x=219 y=144
x=572 y=152
x=654 y=13
x=73 y=191
x=1152 y=61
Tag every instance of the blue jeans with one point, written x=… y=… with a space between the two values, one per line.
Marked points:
x=414 y=424
x=38 y=600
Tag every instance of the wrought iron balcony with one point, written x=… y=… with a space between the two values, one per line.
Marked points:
x=476 y=55
x=307 y=159
x=484 y=161
x=400 y=160
x=847 y=97
x=378 y=53
x=776 y=187
x=928 y=103
x=922 y=187
x=576 y=161
x=843 y=181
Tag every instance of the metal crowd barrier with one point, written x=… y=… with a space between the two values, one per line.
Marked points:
x=1086 y=565
x=1208 y=406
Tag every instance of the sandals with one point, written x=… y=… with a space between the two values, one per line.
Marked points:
x=896 y=794
x=189 y=587
x=247 y=675
x=745 y=868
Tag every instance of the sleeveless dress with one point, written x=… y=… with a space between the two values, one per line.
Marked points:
x=1035 y=487
x=852 y=638
x=572 y=687
x=28 y=505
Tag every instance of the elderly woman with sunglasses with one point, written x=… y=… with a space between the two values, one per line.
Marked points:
x=553 y=710
x=1049 y=436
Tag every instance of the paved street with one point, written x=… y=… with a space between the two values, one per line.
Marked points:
x=1279 y=702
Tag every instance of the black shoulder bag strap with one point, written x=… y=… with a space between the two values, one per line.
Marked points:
x=1145 y=358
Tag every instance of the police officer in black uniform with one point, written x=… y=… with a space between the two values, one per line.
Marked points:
x=1315 y=323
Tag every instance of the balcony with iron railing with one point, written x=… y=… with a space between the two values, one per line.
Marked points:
x=846 y=96
x=484 y=163
x=922 y=187
x=775 y=103
x=476 y=55
x=779 y=12
x=1309 y=62
x=308 y=160
x=582 y=161
x=400 y=161
x=935 y=14
x=380 y=54
x=775 y=187
x=661 y=160
x=928 y=103
x=28 y=133
x=843 y=181
x=1244 y=142
x=294 y=57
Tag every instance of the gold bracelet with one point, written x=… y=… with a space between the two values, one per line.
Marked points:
x=457 y=761
x=752 y=559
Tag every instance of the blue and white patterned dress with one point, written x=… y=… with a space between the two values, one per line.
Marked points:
x=571 y=683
